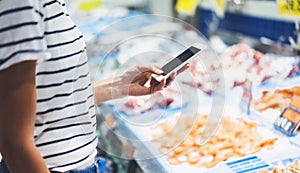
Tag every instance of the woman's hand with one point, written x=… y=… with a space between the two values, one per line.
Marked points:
x=139 y=81
x=135 y=82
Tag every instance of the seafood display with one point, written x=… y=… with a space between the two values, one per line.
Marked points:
x=277 y=99
x=290 y=168
x=234 y=138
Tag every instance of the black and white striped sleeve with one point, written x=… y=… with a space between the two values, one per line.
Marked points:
x=21 y=32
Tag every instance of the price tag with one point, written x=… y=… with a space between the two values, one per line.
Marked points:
x=289 y=7
x=289 y=120
x=89 y=5
x=187 y=7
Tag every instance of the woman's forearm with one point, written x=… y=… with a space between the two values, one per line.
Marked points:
x=108 y=90
x=23 y=158
x=17 y=118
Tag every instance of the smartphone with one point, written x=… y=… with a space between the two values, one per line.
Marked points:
x=179 y=61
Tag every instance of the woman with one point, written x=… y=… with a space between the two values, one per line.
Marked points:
x=47 y=112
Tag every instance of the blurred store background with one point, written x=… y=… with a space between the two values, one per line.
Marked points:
x=257 y=45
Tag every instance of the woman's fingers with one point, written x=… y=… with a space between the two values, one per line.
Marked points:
x=142 y=78
x=182 y=69
x=142 y=74
x=157 y=86
x=171 y=78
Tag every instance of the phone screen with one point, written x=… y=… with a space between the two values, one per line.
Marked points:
x=184 y=56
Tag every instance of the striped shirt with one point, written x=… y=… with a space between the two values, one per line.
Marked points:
x=65 y=123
